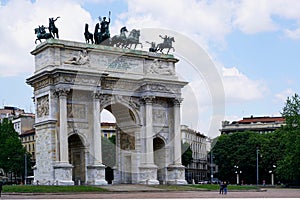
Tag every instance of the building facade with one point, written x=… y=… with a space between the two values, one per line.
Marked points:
x=23 y=122
x=258 y=124
x=28 y=141
x=108 y=129
x=10 y=112
x=198 y=169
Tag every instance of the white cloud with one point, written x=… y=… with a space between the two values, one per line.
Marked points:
x=293 y=34
x=18 y=20
x=238 y=87
x=283 y=95
x=201 y=20
x=254 y=16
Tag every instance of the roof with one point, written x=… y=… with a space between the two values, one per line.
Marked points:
x=28 y=132
x=248 y=120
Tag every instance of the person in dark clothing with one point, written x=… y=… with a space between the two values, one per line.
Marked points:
x=221 y=187
x=225 y=187
x=1 y=187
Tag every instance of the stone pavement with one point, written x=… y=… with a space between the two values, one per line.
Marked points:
x=146 y=192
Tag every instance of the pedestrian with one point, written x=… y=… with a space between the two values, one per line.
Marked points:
x=1 y=187
x=221 y=187
x=225 y=187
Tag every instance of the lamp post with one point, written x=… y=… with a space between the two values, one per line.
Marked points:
x=237 y=174
x=25 y=168
x=272 y=174
x=257 y=174
x=211 y=168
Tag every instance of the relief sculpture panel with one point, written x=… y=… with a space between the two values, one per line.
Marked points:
x=43 y=106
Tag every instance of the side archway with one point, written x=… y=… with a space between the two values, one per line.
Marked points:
x=160 y=158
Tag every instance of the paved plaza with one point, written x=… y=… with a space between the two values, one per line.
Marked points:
x=145 y=192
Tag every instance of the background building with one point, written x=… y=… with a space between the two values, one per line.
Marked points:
x=108 y=129
x=28 y=141
x=23 y=122
x=10 y=112
x=257 y=124
x=198 y=169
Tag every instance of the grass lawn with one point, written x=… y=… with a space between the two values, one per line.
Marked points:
x=229 y=187
x=50 y=189
x=74 y=189
x=205 y=187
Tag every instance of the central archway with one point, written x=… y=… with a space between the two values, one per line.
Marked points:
x=125 y=142
x=77 y=159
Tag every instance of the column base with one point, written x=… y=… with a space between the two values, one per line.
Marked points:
x=96 y=175
x=63 y=174
x=148 y=175
x=176 y=175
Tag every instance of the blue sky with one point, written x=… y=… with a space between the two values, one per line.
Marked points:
x=254 y=45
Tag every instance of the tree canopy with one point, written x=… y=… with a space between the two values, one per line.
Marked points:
x=278 y=151
x=11 y=149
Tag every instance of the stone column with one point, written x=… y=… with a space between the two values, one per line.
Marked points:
x=176 y=171
x=177 y=132
x=62 y=169
x=148 y=170
x=63 y=126
x=97 y=129
x=96 y=171
x=149 y=130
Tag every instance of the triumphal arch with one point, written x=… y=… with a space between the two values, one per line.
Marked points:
x=73 y=82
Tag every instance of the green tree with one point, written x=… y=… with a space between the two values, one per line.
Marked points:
x=187 y=154
x=288 y=168
x=237 y=149
x=11 y=149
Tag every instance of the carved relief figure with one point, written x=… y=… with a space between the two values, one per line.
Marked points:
x=127 y=142
x=43 y=106
x=157 y=67
x=81 y=59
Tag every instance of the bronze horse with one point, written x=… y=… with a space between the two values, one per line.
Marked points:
x=167 y=44
x=133 y=38
x=41 y=33
x=52 y=28
x=88 y=36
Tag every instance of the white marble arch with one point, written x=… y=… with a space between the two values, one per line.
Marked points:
x=121 y=80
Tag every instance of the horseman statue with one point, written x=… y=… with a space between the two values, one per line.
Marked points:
x=104 y=30
x=52 y=28
x=167 y=44
x=42 y=34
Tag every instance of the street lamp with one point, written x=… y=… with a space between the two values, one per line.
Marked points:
x=211 y=168
x=257 y=175
x=272 y=174
x=237 y=174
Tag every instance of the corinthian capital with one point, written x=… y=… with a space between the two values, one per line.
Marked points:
x=177 y=101
x=62 y=91
x=148 y=98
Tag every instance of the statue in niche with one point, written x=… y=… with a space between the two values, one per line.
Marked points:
x=81 y=59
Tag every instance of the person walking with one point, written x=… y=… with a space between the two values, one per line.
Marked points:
x=1 y=187
x=221 y=187
x=225 y=187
